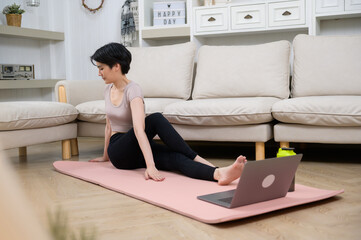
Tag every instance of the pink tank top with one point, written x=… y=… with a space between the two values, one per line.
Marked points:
x=120 y=116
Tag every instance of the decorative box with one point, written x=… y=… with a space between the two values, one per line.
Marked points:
x=169 y=13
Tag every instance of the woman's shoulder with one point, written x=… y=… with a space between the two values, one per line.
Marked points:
x=133 y=90
x=134 y=86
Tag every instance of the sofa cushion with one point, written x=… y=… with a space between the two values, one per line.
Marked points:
x=243 y=71
x=221 y=112
x=35 y=114
x=165 y=71
x=92 y=111
x=326 y=65
x=321 y=111
x=153 y=105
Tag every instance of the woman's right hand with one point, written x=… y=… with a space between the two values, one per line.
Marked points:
x=153 y=173
x=99 y=159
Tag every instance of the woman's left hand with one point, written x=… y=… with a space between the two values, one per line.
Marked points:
x=153 y=173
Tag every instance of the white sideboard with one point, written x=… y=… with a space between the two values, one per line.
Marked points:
x=246 y=21
x=250 y=16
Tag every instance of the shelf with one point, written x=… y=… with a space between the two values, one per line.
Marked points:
x=155 y=33
x=338 y=15
x=250 y=31
x=10 y=31
x=35 y=83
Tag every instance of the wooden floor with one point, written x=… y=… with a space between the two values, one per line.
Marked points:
x=116 y=216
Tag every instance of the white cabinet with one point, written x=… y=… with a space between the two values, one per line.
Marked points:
x=351 y=5
x=286 y=13
x=337 y=6
x=251 y=16
x=214 y=19
x=345 y=11
x=323 y=6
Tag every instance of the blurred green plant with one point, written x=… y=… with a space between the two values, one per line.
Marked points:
x=60 y=230
x=13 y=9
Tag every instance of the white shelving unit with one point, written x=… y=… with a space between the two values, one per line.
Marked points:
x=150 y=35
x=231 y=22
x=48 y=50
x=335 y=10
x=246 y=21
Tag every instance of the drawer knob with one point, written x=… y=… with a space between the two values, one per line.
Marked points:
x=248 y=16
x=286 y=13
x=211 y=19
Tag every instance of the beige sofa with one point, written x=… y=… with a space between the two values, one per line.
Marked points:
x=33 y=122
x=241 y=93
x=230 y=98
x=325 y=106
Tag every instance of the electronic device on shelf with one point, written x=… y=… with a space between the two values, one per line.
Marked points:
x=16 y=72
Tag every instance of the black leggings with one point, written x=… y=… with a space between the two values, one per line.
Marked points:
x=124 y=151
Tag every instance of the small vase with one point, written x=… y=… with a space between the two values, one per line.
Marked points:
x=208 y=2
x=13 y=20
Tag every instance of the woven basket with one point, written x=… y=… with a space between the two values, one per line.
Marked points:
x=13 y=20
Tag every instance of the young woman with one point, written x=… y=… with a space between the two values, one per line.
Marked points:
x=129 y=134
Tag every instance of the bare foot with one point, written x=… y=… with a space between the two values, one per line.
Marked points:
x=202 y=160
x=226 y=175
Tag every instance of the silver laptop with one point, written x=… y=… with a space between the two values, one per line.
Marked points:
x=260 y=181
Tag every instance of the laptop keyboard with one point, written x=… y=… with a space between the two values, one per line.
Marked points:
x=226 y=200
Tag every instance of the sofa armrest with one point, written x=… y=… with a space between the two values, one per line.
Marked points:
x=76 y=92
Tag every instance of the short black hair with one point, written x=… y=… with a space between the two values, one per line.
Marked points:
x=111 y=54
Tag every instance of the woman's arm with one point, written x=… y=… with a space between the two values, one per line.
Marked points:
x=108 y=133
x=138 y=115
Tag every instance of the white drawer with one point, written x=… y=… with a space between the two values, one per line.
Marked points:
x=248 y=16
x=325 y=6
x=352 y=5
x=211 y=19
x=286 y=13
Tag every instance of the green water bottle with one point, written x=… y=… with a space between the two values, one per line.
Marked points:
x=284 y=152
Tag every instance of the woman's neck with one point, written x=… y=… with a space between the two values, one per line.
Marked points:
x=120 y=83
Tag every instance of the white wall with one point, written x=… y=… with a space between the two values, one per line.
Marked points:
x=85 y=32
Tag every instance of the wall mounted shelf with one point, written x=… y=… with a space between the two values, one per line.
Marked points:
x=22 y=84
x=10 y=31
x=165 y=32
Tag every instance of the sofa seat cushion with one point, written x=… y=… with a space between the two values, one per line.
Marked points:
x=35 y=114
x=221 y=111
x=344 y=111
x=153 y=105
x=94 y=111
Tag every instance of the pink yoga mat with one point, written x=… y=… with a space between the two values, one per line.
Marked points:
x=179 y=193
